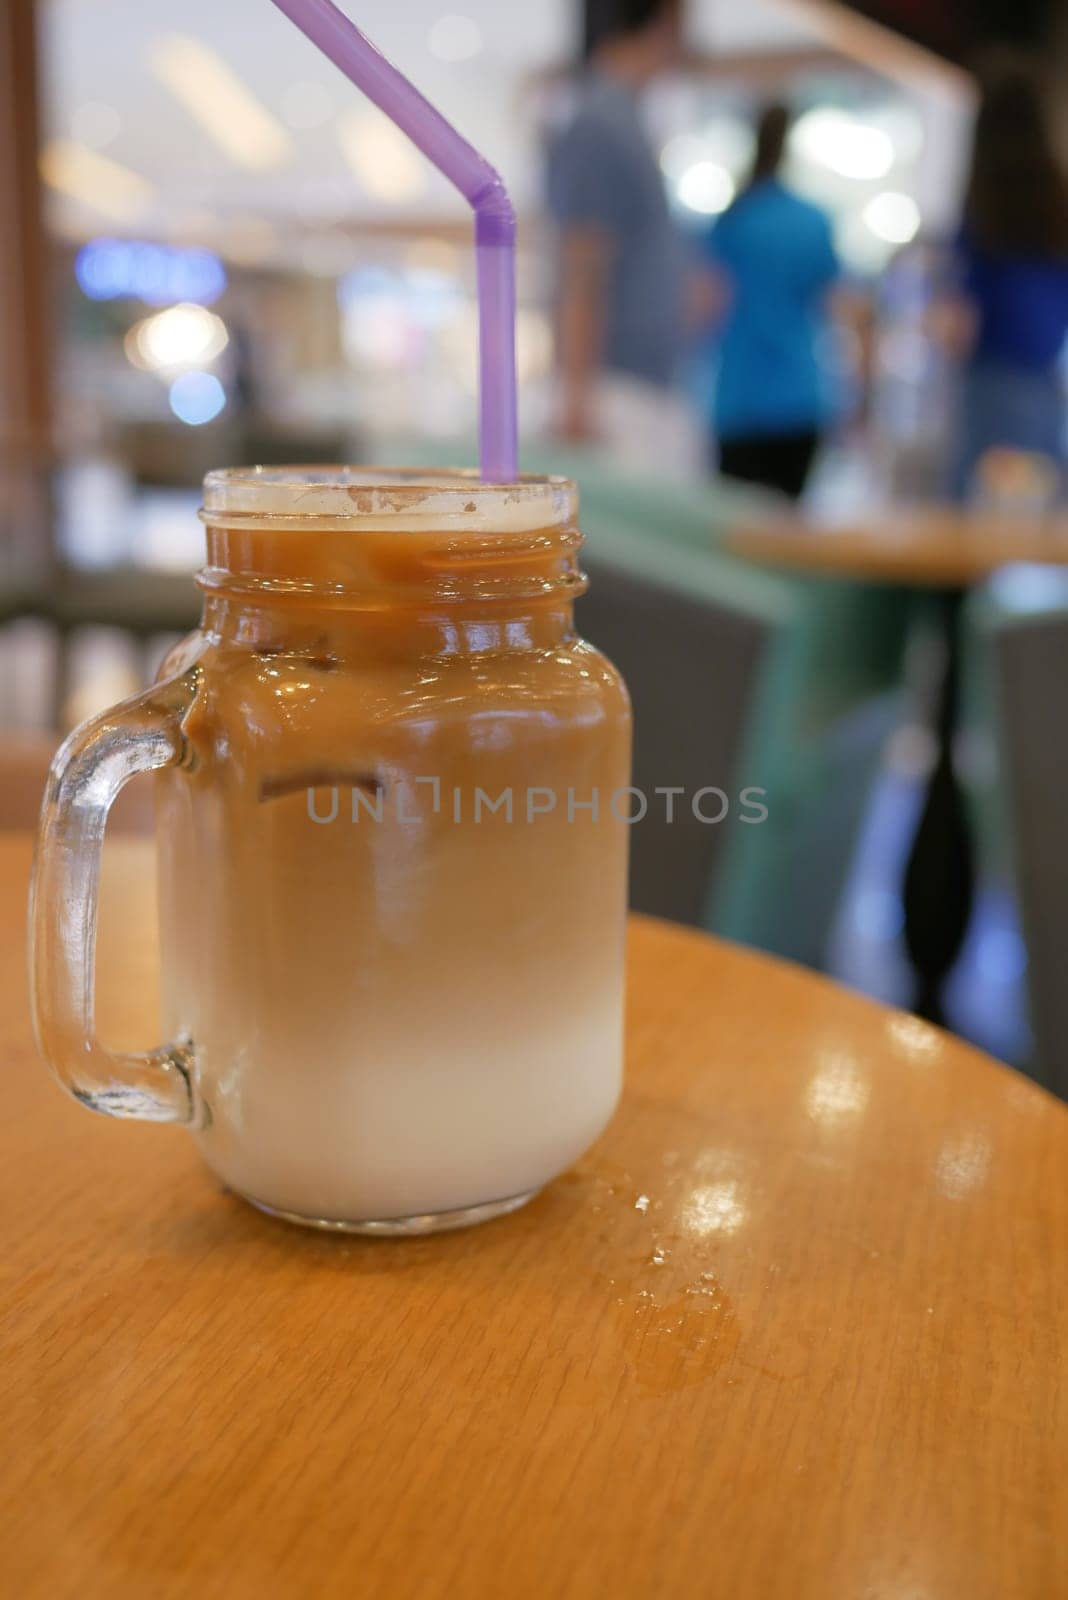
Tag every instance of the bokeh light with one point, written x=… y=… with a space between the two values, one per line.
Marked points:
x=706 y=188
x=182 y=336
x=843 y=144
x=197 y=398
x=892 y=216
x=158 y=274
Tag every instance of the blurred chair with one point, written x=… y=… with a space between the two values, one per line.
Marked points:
x=24 y=763
x=1020 y=641
x=692 y=657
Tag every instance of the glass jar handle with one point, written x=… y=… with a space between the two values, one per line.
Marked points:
x=140 y=735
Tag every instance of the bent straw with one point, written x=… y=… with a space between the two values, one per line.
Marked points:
x=479 y=183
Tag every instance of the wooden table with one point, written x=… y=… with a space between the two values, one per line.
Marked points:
x=795 y=1328
x=925 y=546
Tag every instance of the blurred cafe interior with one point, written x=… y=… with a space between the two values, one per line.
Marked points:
x=767 y=1298
x=213 y=253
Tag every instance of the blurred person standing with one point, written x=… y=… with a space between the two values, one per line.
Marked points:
x=1011 y=322
x=774 y=255
x=623 y=261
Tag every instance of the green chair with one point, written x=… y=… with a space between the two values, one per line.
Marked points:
x=812 y=729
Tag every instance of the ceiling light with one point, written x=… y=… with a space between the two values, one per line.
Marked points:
x=95 y=180
x=893 y=217
x=219 y=102
x=706 y=187
x=455 y=38
x=842 y=143
x=382 y=158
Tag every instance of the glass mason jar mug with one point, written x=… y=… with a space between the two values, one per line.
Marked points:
x=392 y=879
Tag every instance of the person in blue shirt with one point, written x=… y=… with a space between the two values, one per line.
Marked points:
x=775 y=255
x=1012 y=275
x=623 y=261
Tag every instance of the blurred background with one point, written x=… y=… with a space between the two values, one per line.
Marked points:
x=213 y=252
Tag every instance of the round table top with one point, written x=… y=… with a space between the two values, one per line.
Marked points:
x=925 y=546
x=796 y=1327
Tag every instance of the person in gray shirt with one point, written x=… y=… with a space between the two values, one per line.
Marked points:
x=622 y=258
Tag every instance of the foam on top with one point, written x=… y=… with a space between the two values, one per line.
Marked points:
x=385 y=500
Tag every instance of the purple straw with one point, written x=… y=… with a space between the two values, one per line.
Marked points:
x=479 y=183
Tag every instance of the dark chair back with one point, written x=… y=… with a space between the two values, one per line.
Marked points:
x=691 y=666
x=1023 y=620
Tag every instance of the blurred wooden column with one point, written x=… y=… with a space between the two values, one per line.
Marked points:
x=25 y=307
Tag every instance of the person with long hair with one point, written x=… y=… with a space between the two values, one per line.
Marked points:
x=775 y=256
x=1012 y=272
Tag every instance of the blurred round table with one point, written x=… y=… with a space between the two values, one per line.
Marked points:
x=796 y=1328
x=927 y=546
x=941 y=550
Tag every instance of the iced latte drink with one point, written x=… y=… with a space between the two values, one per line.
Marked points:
x=393 y=844
x=393 y=856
